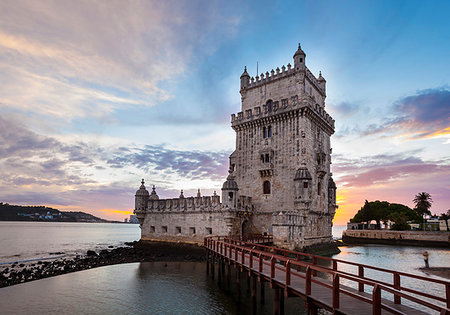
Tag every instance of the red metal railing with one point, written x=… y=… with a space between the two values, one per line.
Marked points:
x=291 y=263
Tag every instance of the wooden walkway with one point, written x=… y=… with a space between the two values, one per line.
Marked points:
x=288 y=270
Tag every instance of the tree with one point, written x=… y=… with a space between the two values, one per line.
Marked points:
x=423 y=204
x=445 y=217
x=400 y=223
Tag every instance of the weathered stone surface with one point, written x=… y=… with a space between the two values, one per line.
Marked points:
x=280 y=181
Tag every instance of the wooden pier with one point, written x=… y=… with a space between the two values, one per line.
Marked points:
x=320 y=281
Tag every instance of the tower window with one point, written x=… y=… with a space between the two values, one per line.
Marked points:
x=305 y=184
x=269 y=131
x=264 y=132
x=301 y=59
x=230 y=195
x=267 y=158
x=319 y=187
x=266 y=187
x=284 y=102
x=269 y=105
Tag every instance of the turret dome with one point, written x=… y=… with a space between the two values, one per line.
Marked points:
x=302 y=173
x=245 y=73
x=299 y=51
x=230 y=183
x=142 y=191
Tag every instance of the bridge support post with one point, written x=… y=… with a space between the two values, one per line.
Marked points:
x=312 y=308
x=229 y=277
x=207 y=262
x=262 y=293
x=238 y=284
x=276 y=301
x=253 y=295
x=212 y=267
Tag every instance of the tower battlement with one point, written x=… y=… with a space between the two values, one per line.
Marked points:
x=279 y=108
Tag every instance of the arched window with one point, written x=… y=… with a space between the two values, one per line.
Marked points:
x=269 y=131
x=266 y=187
x=269 y=105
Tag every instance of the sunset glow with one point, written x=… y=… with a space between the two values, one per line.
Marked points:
x=91 y=103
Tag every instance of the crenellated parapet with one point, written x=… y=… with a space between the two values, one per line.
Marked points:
x=194 y=204
x=263 y=114
x=278 y=74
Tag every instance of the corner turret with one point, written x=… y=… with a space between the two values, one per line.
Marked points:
x=140 y=203
x=322 y=82
x=299 y=59
x=229 y=192
x=245 y=79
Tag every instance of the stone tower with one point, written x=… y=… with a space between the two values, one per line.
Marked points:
x=279 y=179
x=283 y=154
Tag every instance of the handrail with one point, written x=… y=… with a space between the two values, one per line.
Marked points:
x=271 y=254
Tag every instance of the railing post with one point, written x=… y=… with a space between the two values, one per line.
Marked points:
x=272 y=268
x=361 y=275
x=260 y=269
x=334 y=265
x=242 y=257
x=314 y=262
x=376 y=300
x=335 y=291
x=308 y=281
x=251 y=259
x=288 y=272
x=230 y=251
x=235 y=253
x=298 y=259
x=397 y=299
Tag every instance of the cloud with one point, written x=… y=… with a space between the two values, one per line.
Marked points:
x=89 y=59
x=346 y=108
x=188 y=164
x=423 y=115
x=385 y=168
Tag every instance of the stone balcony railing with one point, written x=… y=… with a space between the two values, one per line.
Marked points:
x=262 y=111
x=205 y=203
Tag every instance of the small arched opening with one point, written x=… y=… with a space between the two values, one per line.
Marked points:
x=266 y=187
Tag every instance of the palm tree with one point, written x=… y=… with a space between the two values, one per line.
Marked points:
x=423 y=204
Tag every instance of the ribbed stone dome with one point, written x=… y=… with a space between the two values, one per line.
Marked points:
x=299 y=51
x=230 y=183
x=302 y=173
x=142 y=191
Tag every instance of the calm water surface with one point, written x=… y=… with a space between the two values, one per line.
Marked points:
x=33 y=240
x=178 y=288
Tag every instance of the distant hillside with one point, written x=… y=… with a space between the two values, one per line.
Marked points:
x=41 y=213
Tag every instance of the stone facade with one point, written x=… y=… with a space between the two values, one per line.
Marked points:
x=279 y=178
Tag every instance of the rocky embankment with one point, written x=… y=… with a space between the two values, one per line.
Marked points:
x=133 y=252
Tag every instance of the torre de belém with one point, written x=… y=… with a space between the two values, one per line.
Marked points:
x=279 y=178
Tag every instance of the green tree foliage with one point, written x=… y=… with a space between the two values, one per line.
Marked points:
x=423 y=203
x=400 y=221
x=445 y=217
x=382 y=211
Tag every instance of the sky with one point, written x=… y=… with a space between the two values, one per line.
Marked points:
x=96 y=95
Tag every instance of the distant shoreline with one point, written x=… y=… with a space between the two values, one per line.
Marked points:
x=398 y=238
x=53 y=221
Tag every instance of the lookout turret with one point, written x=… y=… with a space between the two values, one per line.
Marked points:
x=229 y=192
x=299 y=59
x=245 y=79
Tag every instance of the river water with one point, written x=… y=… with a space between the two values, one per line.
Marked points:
x=154 y=288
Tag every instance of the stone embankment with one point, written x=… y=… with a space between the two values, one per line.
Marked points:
x=134 y=252
x=388 y=237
